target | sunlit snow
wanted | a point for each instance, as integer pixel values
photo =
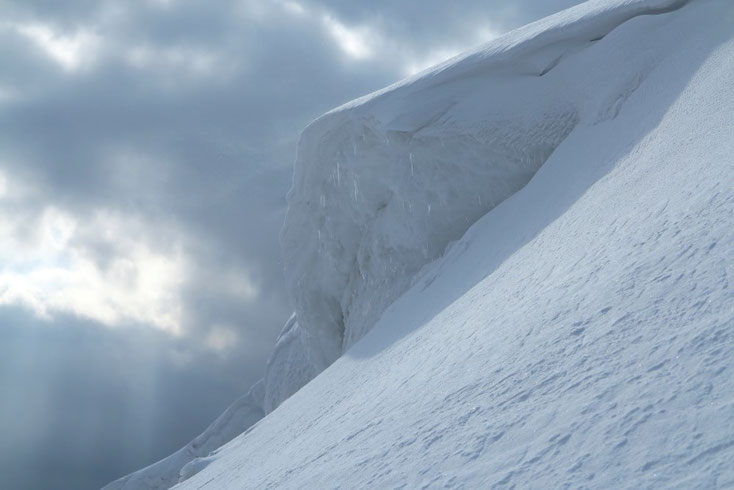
(511, 270)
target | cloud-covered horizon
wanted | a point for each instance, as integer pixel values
(146, 147)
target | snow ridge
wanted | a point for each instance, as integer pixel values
(385, 184)
(365, 213)
(580, 334)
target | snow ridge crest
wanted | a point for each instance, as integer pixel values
(385, 183)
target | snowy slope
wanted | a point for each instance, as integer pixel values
(383, 184)
(624, 105)
(579, 333)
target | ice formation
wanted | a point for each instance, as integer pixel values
(384, 184)
(514, 269)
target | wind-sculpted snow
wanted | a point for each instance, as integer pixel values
(383, 184)
(577, 171)
(579, 334)
(377, 198)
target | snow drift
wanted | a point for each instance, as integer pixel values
(540, 233)
(383, 184)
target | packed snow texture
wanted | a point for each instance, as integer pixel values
(384, 184)
(581, 332)
(540, 233)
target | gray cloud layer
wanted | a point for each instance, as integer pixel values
(82, 402)
(159, 128)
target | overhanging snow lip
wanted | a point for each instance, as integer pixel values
(577, 25)
(526, 39)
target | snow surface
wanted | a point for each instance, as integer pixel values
(384, 184)
(570, 327)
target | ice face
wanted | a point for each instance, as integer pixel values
(578, 334)
(484, 152)
(429, 156)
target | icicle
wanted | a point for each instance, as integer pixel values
(338, 177)
(412, 169)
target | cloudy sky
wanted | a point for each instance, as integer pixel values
(145, 151)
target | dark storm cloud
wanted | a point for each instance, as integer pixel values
(211, 152)
(83, 403)
(182, 115)
(207, 153)
(200, 137)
